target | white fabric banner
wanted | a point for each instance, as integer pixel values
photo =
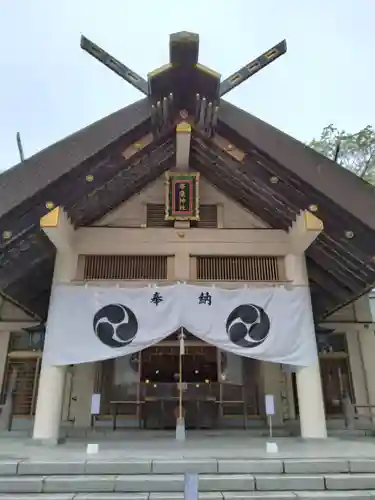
(88, 324)
(270, 323)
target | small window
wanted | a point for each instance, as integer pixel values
(125, 267)
(208, 217)
(238, 268)
(156, 216)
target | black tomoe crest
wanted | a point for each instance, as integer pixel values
(115, 325)
(248, 325)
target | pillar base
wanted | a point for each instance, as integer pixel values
(49, 403)
(180, 429)
(315, 439)
(47, 441)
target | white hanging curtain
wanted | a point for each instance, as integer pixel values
(87, 324)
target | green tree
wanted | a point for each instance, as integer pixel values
(356, 152)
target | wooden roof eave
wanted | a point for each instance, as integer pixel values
(68, 188)
(342, 264)
(25, 254)
(355, 195)
(27, 179)
(33, 284)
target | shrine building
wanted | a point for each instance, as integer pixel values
(182, 205)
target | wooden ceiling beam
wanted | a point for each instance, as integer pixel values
(253, 189)
(322, 301)
(346, 260)
(257, 177)
(234, 189)
(327, 282)
(123, 185)
(333, 267)
(231, 186)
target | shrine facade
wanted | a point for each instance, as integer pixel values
(130, 249)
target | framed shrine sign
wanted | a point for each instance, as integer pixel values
(182, 196)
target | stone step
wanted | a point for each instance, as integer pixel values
(225, 495)
(174, 483)
(204, 466)
(107, 433)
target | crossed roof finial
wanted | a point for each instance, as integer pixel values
(184, 48)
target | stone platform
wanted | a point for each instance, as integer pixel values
(151, 466)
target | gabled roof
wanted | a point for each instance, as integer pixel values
(341, 262)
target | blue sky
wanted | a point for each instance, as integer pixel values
(49, 88)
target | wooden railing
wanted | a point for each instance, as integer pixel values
(217, 390)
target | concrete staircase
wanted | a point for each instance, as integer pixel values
(22, 428)
(226, 479)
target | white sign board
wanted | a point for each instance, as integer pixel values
(269, 404)
(95, 404)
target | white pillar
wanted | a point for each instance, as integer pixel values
(49, 404)
(52, 378)
(310, 402)
(309, 385)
